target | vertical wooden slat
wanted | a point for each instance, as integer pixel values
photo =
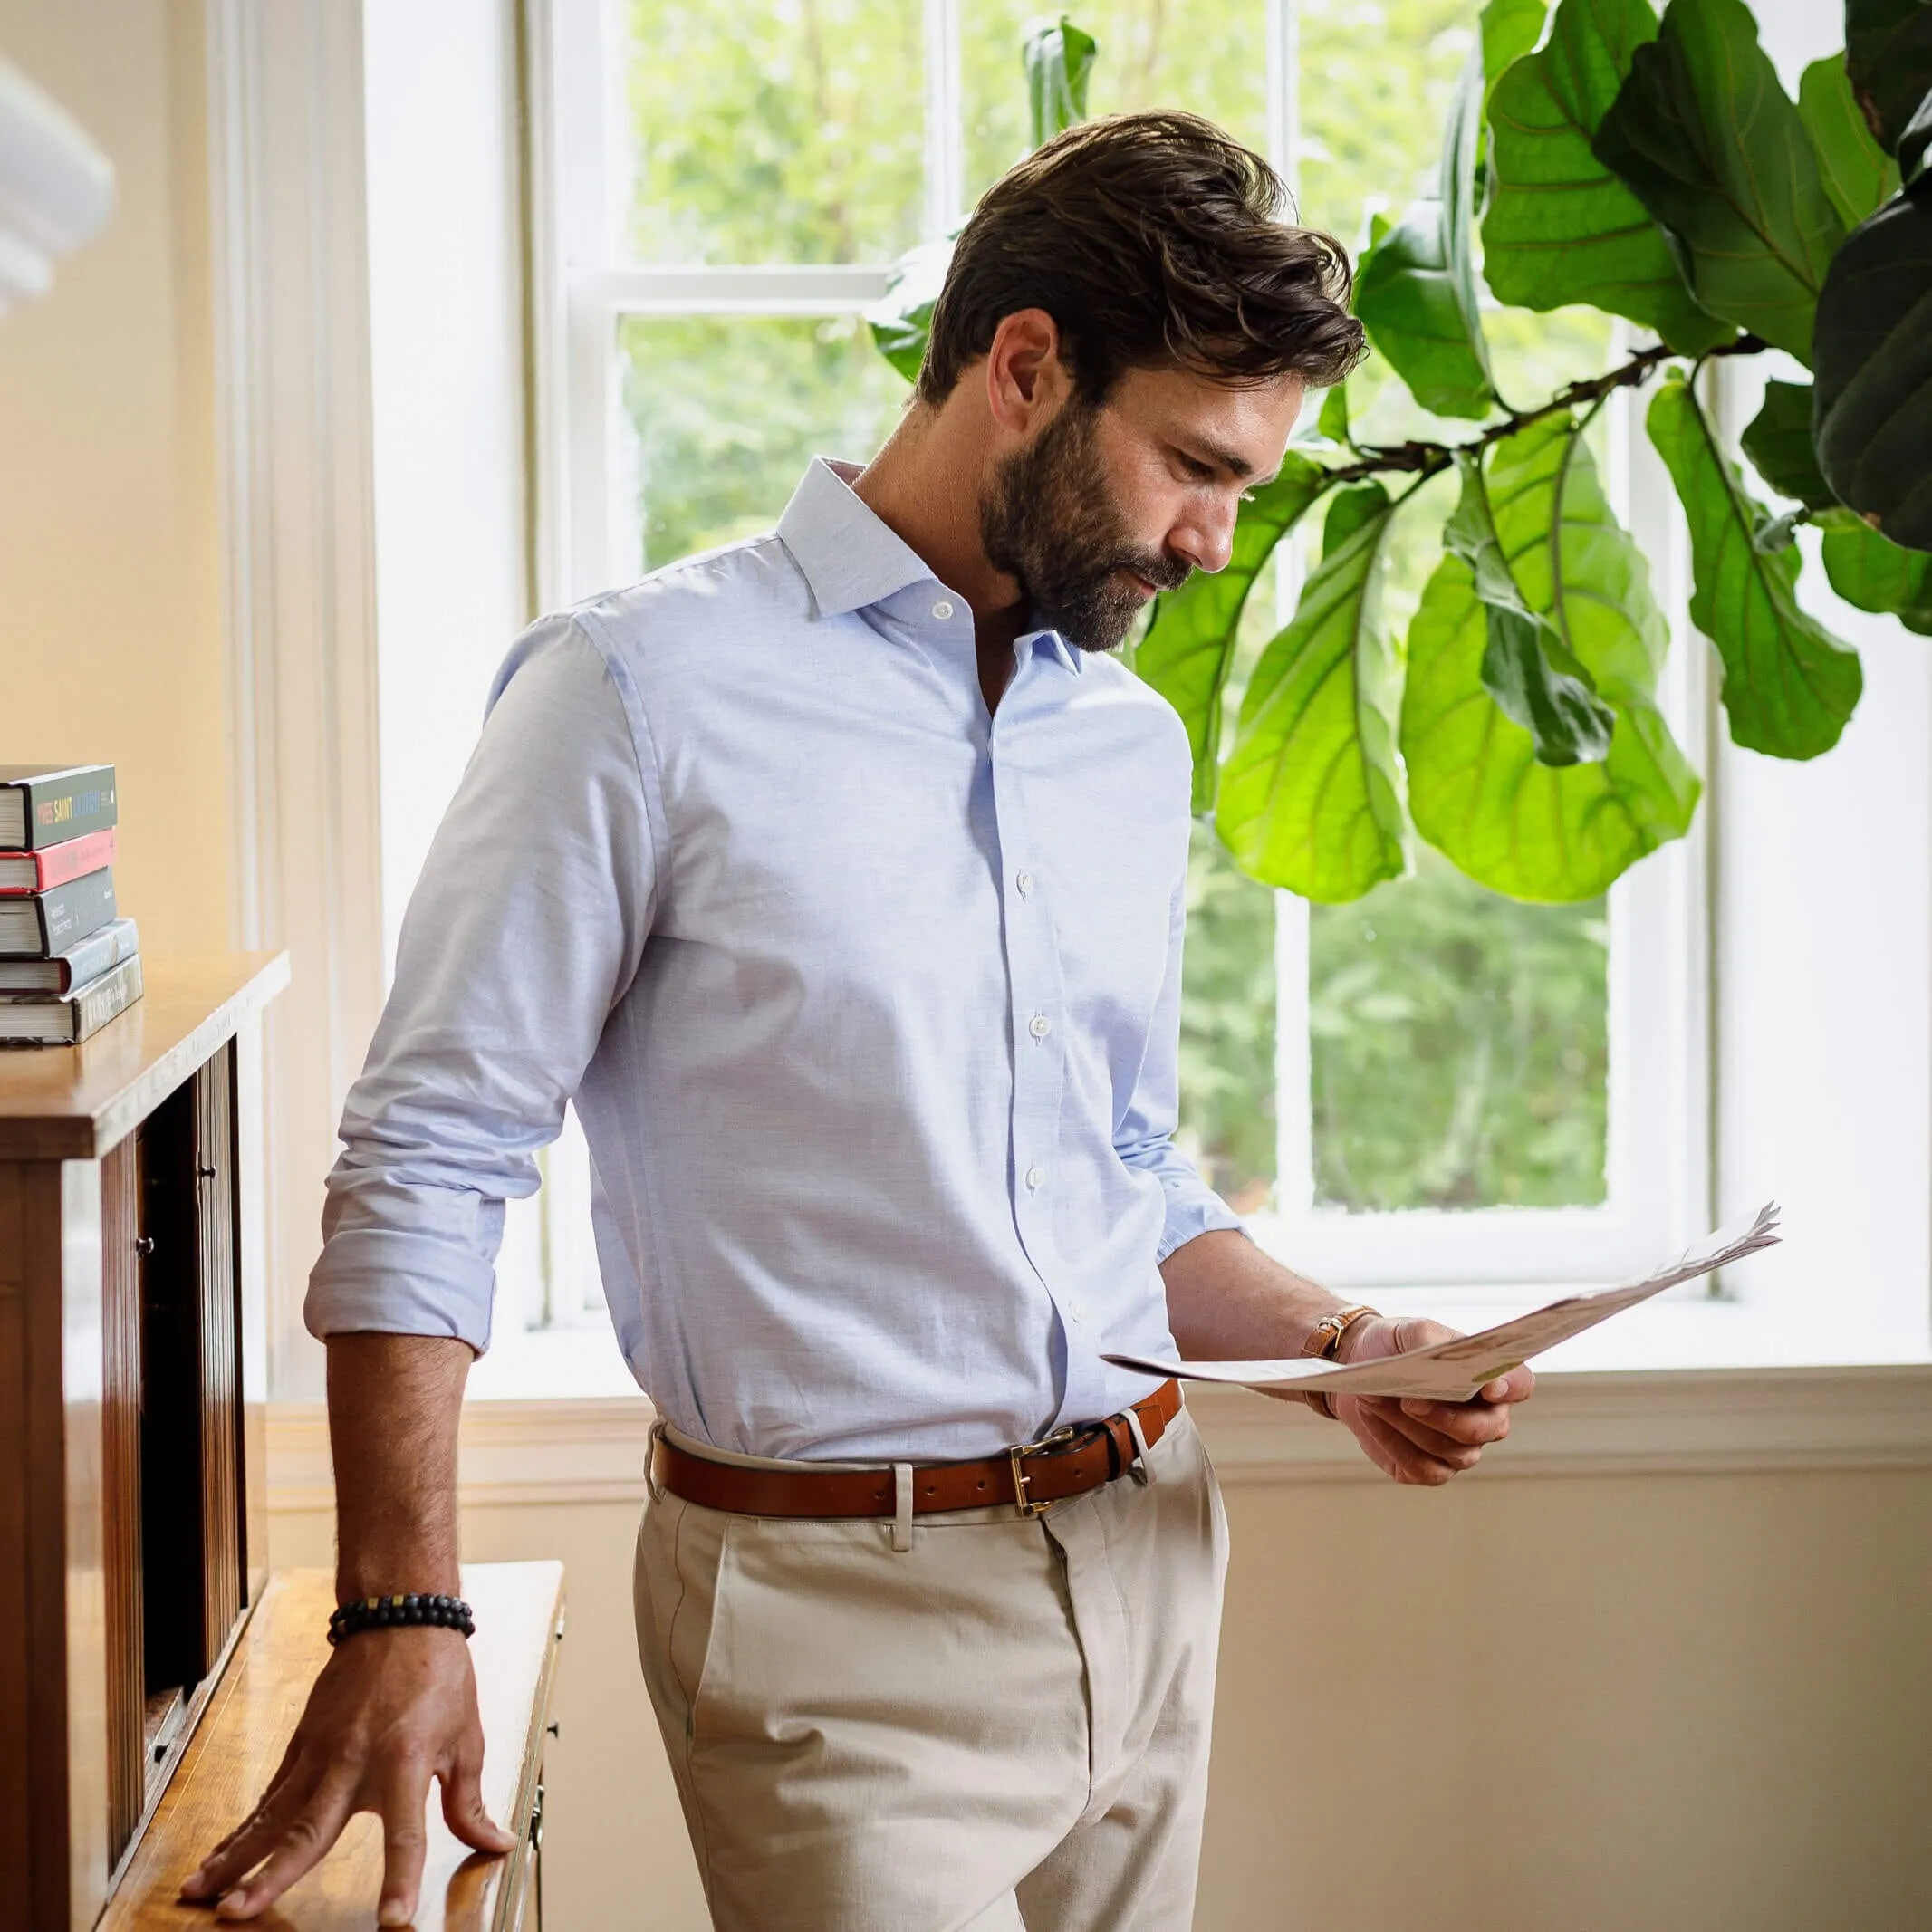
(246, 1119)
(16, 1655)
(221, 1433)
(121, 1446)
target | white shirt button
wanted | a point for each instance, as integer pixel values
(1076, 1312)
(1040, 1027)
(1022, 882)
(1035, 1178)
(942, 609)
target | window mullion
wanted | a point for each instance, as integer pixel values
(945, 191)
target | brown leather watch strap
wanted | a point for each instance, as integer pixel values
(1064, 1464)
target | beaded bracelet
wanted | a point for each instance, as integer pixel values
(381, 1613)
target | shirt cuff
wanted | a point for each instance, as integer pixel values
(389, 1281)
(1193, 1208)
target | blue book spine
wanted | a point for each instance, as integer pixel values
(98, 953)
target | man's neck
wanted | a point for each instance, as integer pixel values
(925, 486)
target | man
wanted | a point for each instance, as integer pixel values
(839, 877)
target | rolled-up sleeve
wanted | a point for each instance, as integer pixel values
(1143, 1137)
(525, 929)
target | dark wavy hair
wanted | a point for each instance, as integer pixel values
(1152, 239)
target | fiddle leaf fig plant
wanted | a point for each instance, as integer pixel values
(1652, 167)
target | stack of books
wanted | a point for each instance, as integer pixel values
(68, 962)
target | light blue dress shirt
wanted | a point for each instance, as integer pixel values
(868, 1002)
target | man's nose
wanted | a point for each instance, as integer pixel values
(1206, 538)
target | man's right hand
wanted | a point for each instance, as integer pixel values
(392, 1709)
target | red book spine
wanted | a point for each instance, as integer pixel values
(55, 865)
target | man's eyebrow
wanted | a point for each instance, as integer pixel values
(1236, 465)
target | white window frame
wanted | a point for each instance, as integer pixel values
(1658, 1193)
(1688, 1141)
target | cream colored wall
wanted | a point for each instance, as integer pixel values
(111, 642)
(1663, 1704)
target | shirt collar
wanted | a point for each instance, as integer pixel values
(852, 559)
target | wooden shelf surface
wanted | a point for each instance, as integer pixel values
(247, 1725)
(74, 1102)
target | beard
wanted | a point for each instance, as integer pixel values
(1048, 521)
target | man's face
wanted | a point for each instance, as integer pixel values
(1106, 506)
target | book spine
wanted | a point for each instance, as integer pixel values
(99, 953)
(70, 806)
(55, 865)
(71, 912)
(95, 1005)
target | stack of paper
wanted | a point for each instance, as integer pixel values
(1452, 1371)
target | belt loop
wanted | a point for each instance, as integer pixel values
(902, 1507)
(1143, 1469)
(657, 1489)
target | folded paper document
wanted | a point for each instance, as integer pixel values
(1452, 1371)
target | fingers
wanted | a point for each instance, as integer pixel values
(1463, 1423)
(1457, 1452)
(252, 1840)
(463, 1810)
(308, 1835)
(1393, 1453)
(404, 1795)
(1518, 1386)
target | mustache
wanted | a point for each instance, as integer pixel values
(1165, 573)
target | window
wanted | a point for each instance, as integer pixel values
(1434, 1088)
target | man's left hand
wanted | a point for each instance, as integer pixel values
(1415, 1441)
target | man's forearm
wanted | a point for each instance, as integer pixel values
(393, 1404)
(1229, 1301)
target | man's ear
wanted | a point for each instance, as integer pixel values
(1026, 381)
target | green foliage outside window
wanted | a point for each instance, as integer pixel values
(1597, 164)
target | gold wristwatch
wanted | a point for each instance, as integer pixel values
(1325, 1344)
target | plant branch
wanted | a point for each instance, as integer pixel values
(1424, 459)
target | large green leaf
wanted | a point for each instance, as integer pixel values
(1889, 61)
(1872, 410)
(1509, 29)
(1477, 791)
(1528, 667)
(1779, 443)
(1059, 61)
(901, 319)
(1560, 226)
(1858, 175)
(1789, 685)
(1415, 293)
(1190, 648)
(1311, 794)
(1709, 142)
(1872, 573)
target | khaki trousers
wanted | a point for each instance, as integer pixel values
(1006, 1725)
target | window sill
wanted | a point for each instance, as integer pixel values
(587, 1446)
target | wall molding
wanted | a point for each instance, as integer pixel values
(293, 390)
(589, 1450)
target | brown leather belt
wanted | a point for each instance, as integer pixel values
(1065, 1464)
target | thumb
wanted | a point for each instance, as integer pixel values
(463, 1810)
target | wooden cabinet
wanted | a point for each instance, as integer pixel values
(143, 1646)
(241, 1737)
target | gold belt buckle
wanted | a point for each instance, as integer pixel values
(1018, 1455)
